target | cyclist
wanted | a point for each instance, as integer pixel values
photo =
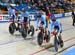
(24, 17)
(56, 24)
(41, 19)
(12, 16)
(11, 13)
(38, 17)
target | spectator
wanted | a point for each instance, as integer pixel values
(5, 1)
(73, 17)
(35, 1)
(17, 2)
(29, 2)
(68, 4)
(59, 4)
(41, 6)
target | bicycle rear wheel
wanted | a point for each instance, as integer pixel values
(24, 32)
(12, 28)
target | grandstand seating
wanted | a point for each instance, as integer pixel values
(30, 8)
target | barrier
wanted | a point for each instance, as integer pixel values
(58, 15)
(1, 17)
(4, 17)
(67, 14)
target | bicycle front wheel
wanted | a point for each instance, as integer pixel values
(56, 43)
(40, 39)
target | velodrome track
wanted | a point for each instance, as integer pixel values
(16, 45)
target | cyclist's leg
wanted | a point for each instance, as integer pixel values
(37, 24)
(60, 37)
(60, 40)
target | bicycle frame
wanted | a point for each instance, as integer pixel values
(55, 32)
(24, 24)
(41, 28)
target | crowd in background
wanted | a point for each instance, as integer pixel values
(46, 5)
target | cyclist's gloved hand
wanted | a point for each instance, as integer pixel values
(54, 33)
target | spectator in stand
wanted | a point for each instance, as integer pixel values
(17, 2)
(59, 4)
(4, 1)
(41, 6)
(35, 1)
(68, 4)
(52, 6)
(24, 1)
(29, 2)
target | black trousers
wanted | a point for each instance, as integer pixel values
(73, 21)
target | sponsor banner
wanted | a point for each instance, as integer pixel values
(67, 14)
(58, 15)
(1, 17)
(31, 16)
(4, 18)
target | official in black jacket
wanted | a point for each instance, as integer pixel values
(73, 17)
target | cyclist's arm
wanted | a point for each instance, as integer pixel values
(21, 18)
(60, 27)
(9, 13)
(51, 27)
(28, 18)
(44, 23)
(13, 13)
(43, 17)
(37, 22)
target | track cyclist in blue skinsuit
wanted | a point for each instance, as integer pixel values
(24, 16)
(12, 16)
(11, 13)
(41, 19)
(56, 24)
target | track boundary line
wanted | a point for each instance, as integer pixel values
(64, 49)
(50, 46)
